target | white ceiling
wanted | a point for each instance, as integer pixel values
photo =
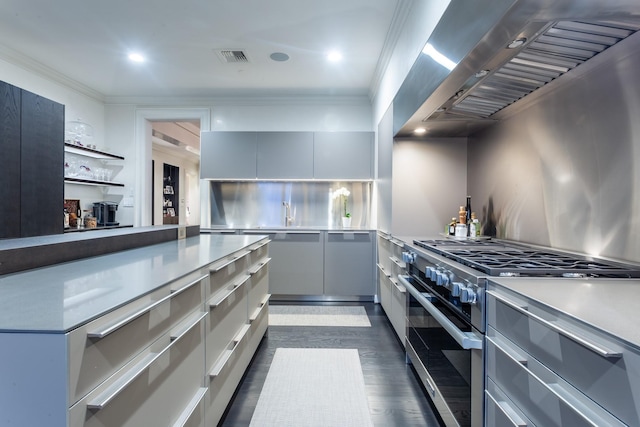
(88, 42)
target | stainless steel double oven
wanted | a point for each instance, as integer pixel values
(445, 336)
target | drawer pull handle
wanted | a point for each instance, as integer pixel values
(253, 249)
(185, 287)
(224, 359)
(596, 348)
(399, 263)
(382, 236)
(258, 310)
(467, 340)
(101, 333)
(230, 292)
(348, 232)
(101, 401)
(191, 407)
(508, 412)
(400, 289)
(384, 272)
(259, 266)
(430, 388)
(229, 262)
(397, 243)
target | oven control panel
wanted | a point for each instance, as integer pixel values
(466, 291)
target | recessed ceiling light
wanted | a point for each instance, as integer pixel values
(419, 131)
(136, 57)
(279, 56)
(517, 43)
(334, 56)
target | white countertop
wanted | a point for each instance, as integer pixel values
(59, 298)
(610, 305)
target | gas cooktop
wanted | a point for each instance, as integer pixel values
(496, 258)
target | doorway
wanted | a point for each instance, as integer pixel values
(146, 191)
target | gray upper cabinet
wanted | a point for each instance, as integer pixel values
(228, 155)
(343, 155)
(285, 155)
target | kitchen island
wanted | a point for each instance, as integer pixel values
(155, 335)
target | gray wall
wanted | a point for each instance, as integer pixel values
(564, 171)
(429, 185)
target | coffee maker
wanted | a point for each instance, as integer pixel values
(105, 213)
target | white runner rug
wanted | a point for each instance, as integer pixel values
(318, 315)
(317, 387)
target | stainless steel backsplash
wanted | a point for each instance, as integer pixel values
(260, 204)
(564, 172)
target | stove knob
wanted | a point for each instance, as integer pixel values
(431, 273)
(468, 295)
(442, 278)
(456, 288)
(427, 272)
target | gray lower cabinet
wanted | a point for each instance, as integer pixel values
(285, 155)
(228, 155)
(392, 293)
(349, 263)
(296, 266)
(546, 368)
(343, 155)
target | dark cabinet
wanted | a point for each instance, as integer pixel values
(32, 132)
(10, 160)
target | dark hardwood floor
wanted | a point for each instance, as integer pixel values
(395, 395)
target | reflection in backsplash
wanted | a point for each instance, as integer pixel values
(311, 204)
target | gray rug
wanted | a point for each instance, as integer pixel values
(317, 387)
(318, 315)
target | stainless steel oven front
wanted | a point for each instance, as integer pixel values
(446, 352)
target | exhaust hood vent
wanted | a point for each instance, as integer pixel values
(561, 47)
(232, 56)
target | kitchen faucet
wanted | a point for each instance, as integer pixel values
(288, 219)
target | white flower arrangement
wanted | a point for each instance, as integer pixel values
(343, 193)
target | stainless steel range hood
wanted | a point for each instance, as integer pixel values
(468, 75)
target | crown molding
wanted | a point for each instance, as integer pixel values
(28, 64)
(400, 15)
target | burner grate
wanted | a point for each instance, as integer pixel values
(498, 259)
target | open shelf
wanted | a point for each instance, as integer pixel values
(90, 152)
(83, 181)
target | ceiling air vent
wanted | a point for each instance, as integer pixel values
(232, 56)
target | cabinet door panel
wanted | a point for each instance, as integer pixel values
(10, 160)
(228, 155)
(343, 155)
(296, 266)
(285, 155)
(41, 166)
(349, 264)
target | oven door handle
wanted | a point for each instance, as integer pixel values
(467, 340)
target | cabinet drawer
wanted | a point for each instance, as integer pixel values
(259, 322)
(258, 285)
(384, 251)
(225, 376)
(599, 367)
(399, 309)
(227, 270)
(152, 389)
(538, 392)
(98, 349)
(227, 315)
(258, 252)
(385, 291)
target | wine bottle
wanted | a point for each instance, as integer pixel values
(468, 219)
